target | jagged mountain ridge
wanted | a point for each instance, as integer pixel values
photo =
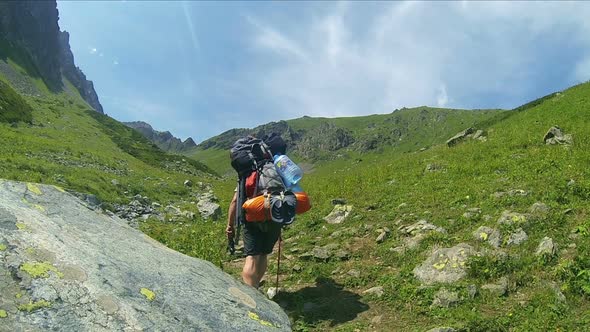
(31, 29)
(163, 139)
(316, 139)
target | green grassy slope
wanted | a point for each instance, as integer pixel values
(320, 139)
(13, 108)
(57, 139)
(393, 190)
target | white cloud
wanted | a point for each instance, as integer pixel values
(274, 40)
(189, 22)
(442, 99)
(115, 62)
(330, 66)
(93, 50)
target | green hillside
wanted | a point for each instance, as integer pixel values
(57, 139)
(511, 171)
(324, 139)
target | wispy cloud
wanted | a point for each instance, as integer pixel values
(189, 22)
(414, 53)
(442, 99)
(274, 40)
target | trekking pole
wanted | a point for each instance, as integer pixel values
(279, 262)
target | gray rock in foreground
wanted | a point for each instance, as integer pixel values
(445, 265)
(65, 267)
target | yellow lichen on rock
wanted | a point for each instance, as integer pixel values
(39, 270)
(148, 294)
(3, 314)
(34, 189)
(255, 317)
(20, 226)
(59, 189)
(32, 306)
(2, 247)
(439, 266)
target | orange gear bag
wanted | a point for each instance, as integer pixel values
(257, 208)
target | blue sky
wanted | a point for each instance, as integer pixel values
(200, 68)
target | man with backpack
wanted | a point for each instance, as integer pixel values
(252, 159)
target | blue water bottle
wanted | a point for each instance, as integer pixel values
(288, 170)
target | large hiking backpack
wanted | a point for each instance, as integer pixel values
(247, 154)
(252, 159)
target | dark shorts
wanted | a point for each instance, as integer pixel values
(260, 238)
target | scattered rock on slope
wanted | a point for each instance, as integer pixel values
(415, 233)
(512, 218)
(445, 265)
(208, 207)
(546, 248)
(517, 237)
(338, 214)
(489, 235)
(499, 288)
(66, 267)
(459, 137)
(555, 136)
(445, 299)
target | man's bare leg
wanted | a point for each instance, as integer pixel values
(254, 269)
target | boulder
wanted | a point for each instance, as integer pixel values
(415, 233)
(539, 209)
(459, 137)
(546, 248)
(509, 218)
(69, 268)
(500, 288)
(445, 299)
(489, 235)
(516, 238)
(555, 136)
(321, 254)
(338, 214)
(480, 135)
(383, 233)
(445, 265)
(208, 207)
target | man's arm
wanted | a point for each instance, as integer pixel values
(231, 216)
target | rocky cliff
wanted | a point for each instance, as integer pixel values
(75, 75)
(30, 29)
(66, 267)
(163, 139)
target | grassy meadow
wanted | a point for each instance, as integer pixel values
(57, 139)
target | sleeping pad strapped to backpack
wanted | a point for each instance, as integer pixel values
(252, 159)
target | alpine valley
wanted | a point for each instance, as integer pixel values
(422, 219)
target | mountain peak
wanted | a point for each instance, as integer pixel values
(163, 139)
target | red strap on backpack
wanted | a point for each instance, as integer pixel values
(251, 184)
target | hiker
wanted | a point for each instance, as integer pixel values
(259, 237)
(266, 200)
(259, 241)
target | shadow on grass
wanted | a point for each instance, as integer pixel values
(327, 301)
